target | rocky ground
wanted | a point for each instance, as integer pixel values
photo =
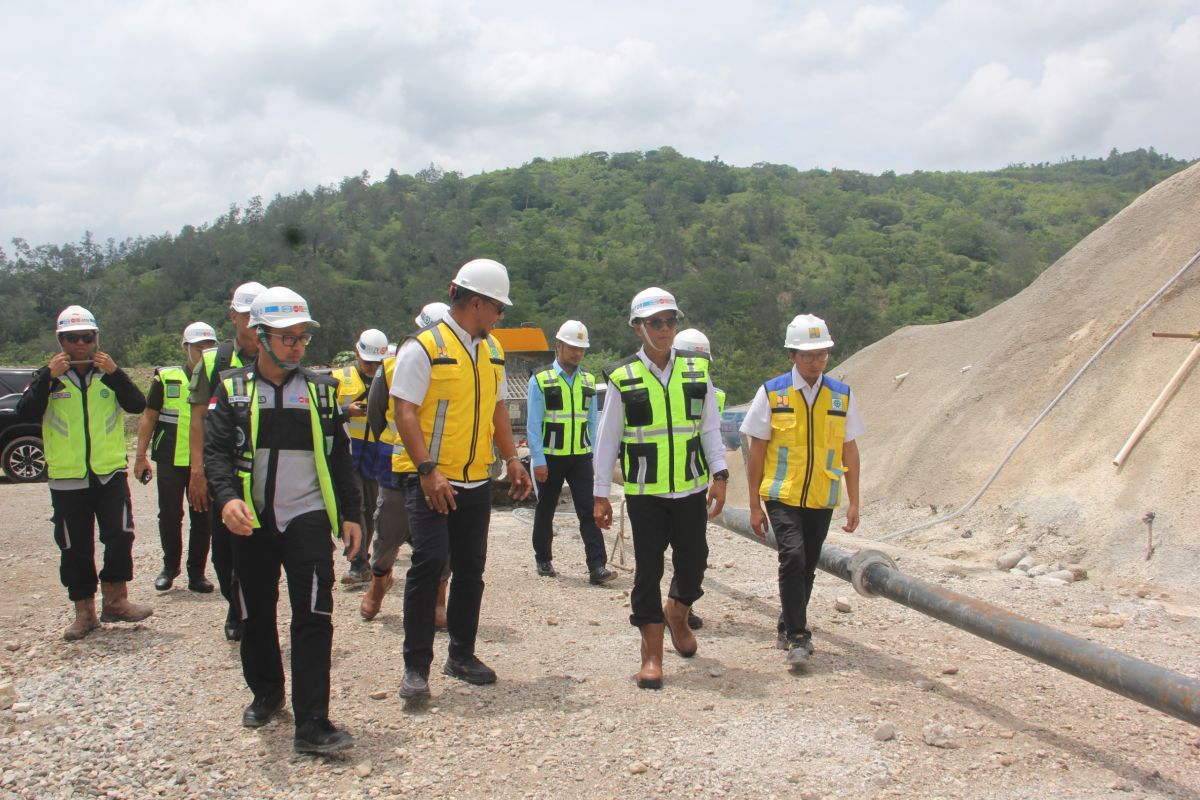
(895, 704)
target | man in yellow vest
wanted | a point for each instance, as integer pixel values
(354, 382)
(278, 461)
(802, 427)
(561, 417)
(448, 392)
(235, 353)
(79, 397)
(166, 423)
(660, 418)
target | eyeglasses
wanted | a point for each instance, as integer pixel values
(76, 338)
(291, 339)
(813, 356)
(498, 306)
(659, 323)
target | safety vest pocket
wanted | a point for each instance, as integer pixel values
(555, 433)
(835, 431)
(694, 394)
(638, 412)
(695, 465)
(783, 419)
(641, 463)
(588, 393)
(834, 477)
(554, 398)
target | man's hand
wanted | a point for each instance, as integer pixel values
(851, 518)
(602, 512)
(141, 465)
(352, 536)
(439, 494)
(236, 516)
(198, 489)
(356, 409)
(521, 485)
(103, 361)
(59, 365)
(758, 519)
(716, 498)
(541, 474)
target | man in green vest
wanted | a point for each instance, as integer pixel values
(561, 418)
(79, 397)
(240, 351)
(660, 418)
(277, 459)
(164, 433)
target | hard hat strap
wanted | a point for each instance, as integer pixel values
(286, 366)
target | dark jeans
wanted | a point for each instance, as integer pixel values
(305, 552)
(577, 471)
(370, 494)
(800, 533)
(222, 561)
(172, 482)
(659, 522)
(77, 513)
(460, 539)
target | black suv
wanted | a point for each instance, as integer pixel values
(21, 453)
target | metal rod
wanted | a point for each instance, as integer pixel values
(873, 574)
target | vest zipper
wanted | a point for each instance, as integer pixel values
(85, 384)
(808, 465)
(670, 427)
(475, 428)
(569, 433)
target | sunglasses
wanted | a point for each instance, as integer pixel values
(291, 339)
(659, 324)
(76, 338)
(498, 306)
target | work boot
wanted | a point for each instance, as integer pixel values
(469, 669)
(798, 656)
(372, 600)
(600, 576)
(545, 569)
(259, 712)
(682, 638)
(85, 620)
(650, 675)
(165, 579)
(117, 607)
(198, 583)
(234, 627)
(439, 611)
(354, 575)
(415, 684)
(320, 736)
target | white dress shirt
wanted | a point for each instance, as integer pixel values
(758, 417)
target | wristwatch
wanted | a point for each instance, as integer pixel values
(721, 475)
(426, 467)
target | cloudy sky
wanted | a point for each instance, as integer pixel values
(129, 117)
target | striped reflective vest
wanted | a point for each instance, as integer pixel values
(804, 455)
(565, 422)
(661, 449)
(170, 443)
(720, 400)
(82, 429)
(456, 414)
(351, 388)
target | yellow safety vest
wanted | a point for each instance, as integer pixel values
(350, 389)
(661, 448)
(565, 423)
(804, 455)
(170, 442)
(456, 414)
(82, 430)
(390, 435)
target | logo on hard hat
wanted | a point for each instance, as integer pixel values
(580, 335)
(814, 333)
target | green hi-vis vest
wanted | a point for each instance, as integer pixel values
(219, 359)
(170, 443)
(803, 465)
(82, 430)
(322, 401)
(351, 388)
(565, 424)
(661, 450)
(720, 400)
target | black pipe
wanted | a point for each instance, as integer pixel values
(873, 574)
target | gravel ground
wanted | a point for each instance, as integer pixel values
(153, 710)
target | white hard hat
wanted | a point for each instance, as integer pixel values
(372, 345)
(807, 332)
(486, 277)
(199, 332)
(243, 296)
(431, 313)
(280, 307)
(694, 340)
(391, 349)
(649, 302)
(76, 318)
(574, 333)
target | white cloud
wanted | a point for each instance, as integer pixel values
(819, 44)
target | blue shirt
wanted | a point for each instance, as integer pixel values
(535, 413)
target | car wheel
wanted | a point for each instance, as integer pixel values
(23, 460)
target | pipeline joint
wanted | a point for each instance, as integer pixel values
(858, 566)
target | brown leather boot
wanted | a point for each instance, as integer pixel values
(373, 599)
(682, 638)
(439, 613)
(650, 676)
(117, 606)
(85, 620)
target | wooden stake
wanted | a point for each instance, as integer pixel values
(1163, 397)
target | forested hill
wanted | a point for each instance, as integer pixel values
(743, 249)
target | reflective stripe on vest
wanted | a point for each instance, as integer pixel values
(82, 430)
(210, 363)
(803, 465)
(565, 423)
(351, 388)
(174, 418)
(661, 449)
(456, 414)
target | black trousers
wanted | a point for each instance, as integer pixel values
(800, 533)
(222, 561)
(459, 539)
(77, 513)
(172, 482)
(305, 552)
(577, 472)
(370, 494)
(659, 522)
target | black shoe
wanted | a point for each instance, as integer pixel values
(199, 583)
(165, 580)
(354, 575)
(259, 712)
(321, 736)
(784, 643)
(694, 622)
(415, 684)
(234, 628)
(545, 569)
(798, 656)
(600, 576)
(469, 669)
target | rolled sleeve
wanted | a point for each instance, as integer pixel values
(535, 411)
(410, 380)
(758, 417)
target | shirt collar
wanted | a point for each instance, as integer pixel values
(461, 332)
(801, 384)
(661, 373)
